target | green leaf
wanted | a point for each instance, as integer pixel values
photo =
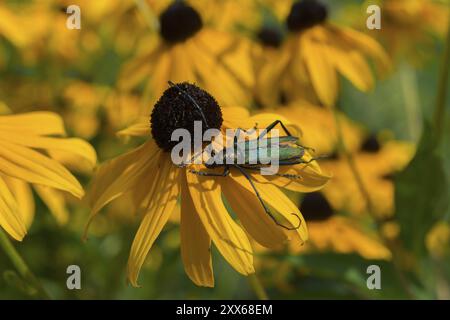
(421, 193)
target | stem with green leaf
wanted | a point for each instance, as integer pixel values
(21, 266)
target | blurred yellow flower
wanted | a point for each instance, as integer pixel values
(155, 184)
(328, 231)
(314, 54)
(377, 164)
(30, 144)
(318, 127)
(408, 24)
(438, 240)
(186, 49)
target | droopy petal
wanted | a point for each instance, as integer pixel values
(195, 242)
(37, 123)
(55, 202)
(252, 215)
(321, 70)
(120, 174)
(277, 200)
(24, 198)
(228, 237)
(32, 166)
(158, 213)
(10, 219)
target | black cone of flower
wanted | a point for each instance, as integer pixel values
(176, 109)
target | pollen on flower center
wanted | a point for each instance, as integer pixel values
(371, 145)
(306, 14)
(175, 109)
(315, 207)
(179, 22)
(270, 37)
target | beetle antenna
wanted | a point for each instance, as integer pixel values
(187, 95)
(266, 209)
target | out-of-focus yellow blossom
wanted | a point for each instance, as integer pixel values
(28, 143)
(84, 101)
(331, 232)
(186, 49)
(318, 127)
(438, 240)
(155, 183)
(409, 24)
(377, 163)
(314, 53)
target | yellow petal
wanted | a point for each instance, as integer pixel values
(77, 147)
(277, 200)
(252, 215)
(32, 166)
(36, 123)
(10, 219)
(159, 211)
(139, 129)
(119, 175)
(55, 201)
(195, 243)
(228, 237)
(24, 198)
(181, 70)
(353, 66)
(321, 70)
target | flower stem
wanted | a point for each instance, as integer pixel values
(369, 205)
(21, 266)
(439, 112)
(257, 287)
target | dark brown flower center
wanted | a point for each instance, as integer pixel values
(371, 145)
(270, 37)
(176, 109)
(179, 22)
(306, 14)
(315, 207)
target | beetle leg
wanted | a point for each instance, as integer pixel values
(226, 172)
(266, 209)
(272, 125)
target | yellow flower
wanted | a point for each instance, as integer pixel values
(30, 145)
(315, 52)
(318, 127)
(408, 24)
(328, 231)
(148, 175)
(186, 49)
(438, 239)
(377, 164)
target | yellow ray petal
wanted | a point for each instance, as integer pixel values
(55, 201)
(118, 175)
(24, 198)
(138, 69)
(353, 66)
(32, 166)
(228, 237)
(139, 129)
(277, 200)
(181, 65)
(73, 146)
(252, 215)
(37, 123)
(195, 242)
(321, 70)
(10, 219)
(159, 211)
